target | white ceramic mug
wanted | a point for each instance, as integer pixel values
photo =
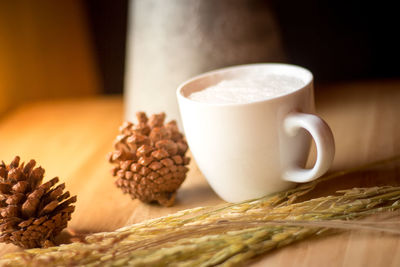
(249, 150)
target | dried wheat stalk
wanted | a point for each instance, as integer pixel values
(222, 236)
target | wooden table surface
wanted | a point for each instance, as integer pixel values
(71, 138)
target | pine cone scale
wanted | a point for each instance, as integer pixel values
(20, 187)
(63, 196)
(26, 223)
(49, 208)
(5, 188)
(29, 166)
(56, 192)
(28, 209)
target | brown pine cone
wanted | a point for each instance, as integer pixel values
(149, 159)
(31, 213)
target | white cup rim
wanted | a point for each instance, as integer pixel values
(305, 74)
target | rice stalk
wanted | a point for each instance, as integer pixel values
(228, 235)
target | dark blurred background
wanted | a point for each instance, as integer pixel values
(52, 49)
(108, 23)
(336, 40)
(341, 40)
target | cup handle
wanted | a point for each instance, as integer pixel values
(323, 137)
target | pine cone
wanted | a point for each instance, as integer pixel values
(150, 159)
(31, 213)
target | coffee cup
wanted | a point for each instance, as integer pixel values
(245, 148)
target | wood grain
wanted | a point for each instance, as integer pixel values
(70, 139)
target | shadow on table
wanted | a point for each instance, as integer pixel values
(199, 195)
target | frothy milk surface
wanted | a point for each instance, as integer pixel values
(247, 89)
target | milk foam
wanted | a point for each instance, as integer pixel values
(247, 89)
